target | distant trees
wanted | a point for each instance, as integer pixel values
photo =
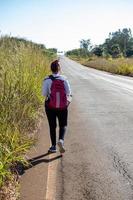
(54, 50)
(97, 50)
(77, 52)
(118, 43)
(83, 51)
(85, 44)
(115, 51)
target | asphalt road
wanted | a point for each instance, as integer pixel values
(98, 163)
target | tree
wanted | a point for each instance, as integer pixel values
(115, 51)
(129, 49)
(54, 50)
(74, 52)
(85, 44)
(121, 38)
(98, 50)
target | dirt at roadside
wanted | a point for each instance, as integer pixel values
(34, 180)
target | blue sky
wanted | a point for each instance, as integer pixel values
(62, 24)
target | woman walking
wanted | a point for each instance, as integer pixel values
(57, 91)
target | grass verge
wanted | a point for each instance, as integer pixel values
(23, 66)
(122, 66)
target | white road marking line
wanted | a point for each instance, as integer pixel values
(121, 85)
(51, 179)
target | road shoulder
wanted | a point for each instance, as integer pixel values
(33, 182)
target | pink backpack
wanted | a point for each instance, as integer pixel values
(58, 98)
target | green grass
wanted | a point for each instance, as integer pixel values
(23, 65)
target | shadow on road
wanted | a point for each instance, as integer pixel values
(35, 161)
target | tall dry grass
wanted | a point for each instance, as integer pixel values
(123, 66)
(23, 66)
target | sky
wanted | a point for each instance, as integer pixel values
(62, 24)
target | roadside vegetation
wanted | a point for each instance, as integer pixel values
(115, 55)
(23, 65)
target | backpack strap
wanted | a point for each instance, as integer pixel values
(52, 77)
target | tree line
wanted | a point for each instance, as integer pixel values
(118, 44)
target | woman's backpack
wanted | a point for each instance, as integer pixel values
(58, 98)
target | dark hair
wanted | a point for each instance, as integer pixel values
(55, 66)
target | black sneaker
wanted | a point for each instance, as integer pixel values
(52, 149)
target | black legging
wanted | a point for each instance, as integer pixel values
(62, 118)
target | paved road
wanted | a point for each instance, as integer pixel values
(98, 163)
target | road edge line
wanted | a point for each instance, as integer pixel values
(51, 179)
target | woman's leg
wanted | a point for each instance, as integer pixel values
(62, 117)
(62, 131)
(51, 115)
